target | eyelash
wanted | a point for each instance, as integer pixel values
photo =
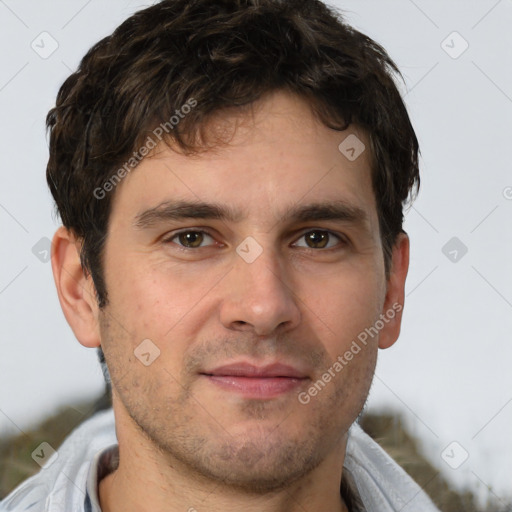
(169, 239)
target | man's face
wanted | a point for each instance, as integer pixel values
(268, 287)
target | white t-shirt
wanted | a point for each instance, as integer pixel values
(372, 481)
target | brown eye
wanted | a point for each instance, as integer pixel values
(191, 239)
(319, 239)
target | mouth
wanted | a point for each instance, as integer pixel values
(258, 382)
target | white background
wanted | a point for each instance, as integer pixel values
(449, 373)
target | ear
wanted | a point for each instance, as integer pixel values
(395, 294)
(75, 290)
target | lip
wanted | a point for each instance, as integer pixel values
(259, 382)
(250, 370)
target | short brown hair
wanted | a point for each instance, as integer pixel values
(222, 54)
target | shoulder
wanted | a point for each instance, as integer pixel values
(62, 481)
(381, 483)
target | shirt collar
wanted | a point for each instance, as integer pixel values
(105, 462)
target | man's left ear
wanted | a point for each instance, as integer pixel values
(395, 295)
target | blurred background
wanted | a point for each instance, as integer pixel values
(446, 383)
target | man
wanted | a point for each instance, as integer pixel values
(230, 177)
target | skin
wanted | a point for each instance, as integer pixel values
(184, 442)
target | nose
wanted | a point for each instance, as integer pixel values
(259, 296)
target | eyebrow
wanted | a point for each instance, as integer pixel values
(180, 210)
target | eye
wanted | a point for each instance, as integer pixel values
(319, 239)
(190, 239)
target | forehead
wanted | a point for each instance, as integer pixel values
(278, 156)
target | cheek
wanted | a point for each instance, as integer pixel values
(342, 306)
(146, 290)
(161, 301)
